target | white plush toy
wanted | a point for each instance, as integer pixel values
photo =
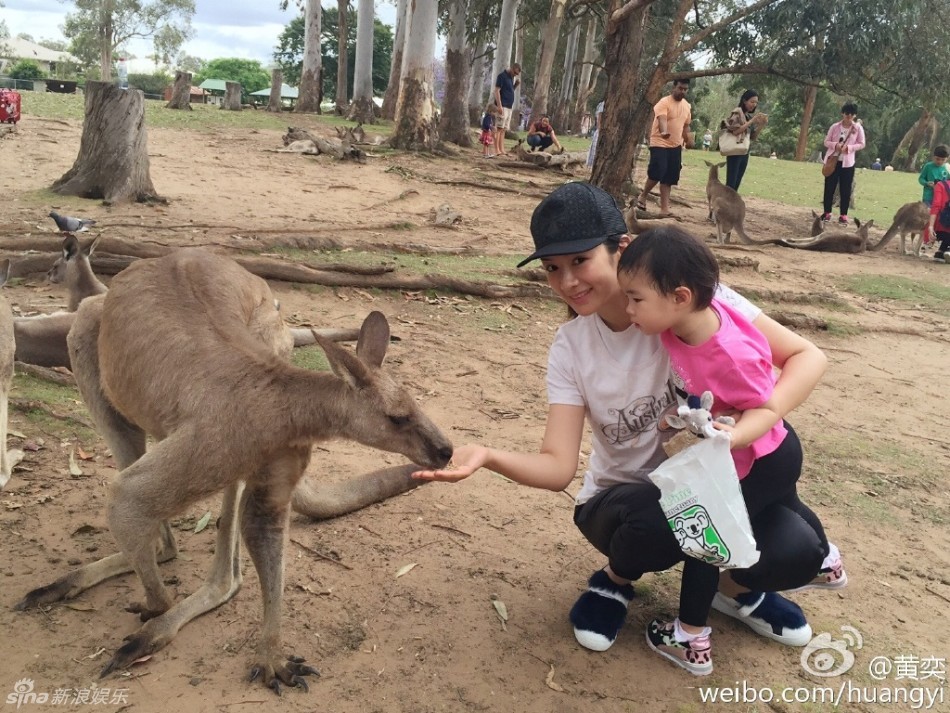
(696, 421)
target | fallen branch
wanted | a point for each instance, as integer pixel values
(796, 320)
(738, 262)
(45, 373)
(26, 406)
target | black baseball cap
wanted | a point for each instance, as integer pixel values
(574, 218)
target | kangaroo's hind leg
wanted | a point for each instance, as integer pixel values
(125, 440)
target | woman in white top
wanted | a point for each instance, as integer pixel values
(603, 369)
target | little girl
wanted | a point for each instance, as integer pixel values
(487, 138)
(670, 279)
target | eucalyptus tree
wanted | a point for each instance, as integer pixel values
(309, 92)
(391, 97)
(97, 28)
(342, 68)
(505, 37)
(415, 111)
(362, 108)
(550, 35)
(454, 125)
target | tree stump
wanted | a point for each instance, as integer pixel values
(181, 92)
(113, 153)
(275, 103)
(232, 96)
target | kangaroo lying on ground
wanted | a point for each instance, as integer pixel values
(190, 349)
(8, 459)
(726, 207)
(910, 220)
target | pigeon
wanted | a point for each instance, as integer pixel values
(69, 224)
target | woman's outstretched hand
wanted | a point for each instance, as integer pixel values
(465, 461)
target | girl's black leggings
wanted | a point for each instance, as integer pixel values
(626, 524)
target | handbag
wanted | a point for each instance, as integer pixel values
(703, 504)
(831, 163)
(732, 145)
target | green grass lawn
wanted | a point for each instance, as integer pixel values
(879, 193)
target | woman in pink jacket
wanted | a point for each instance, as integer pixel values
(845, 138)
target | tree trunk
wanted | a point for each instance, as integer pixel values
(232, 96)
(476, 93)
(905, 154)
(808, 110)
(506, 34)
(275, 102)
(547, 52)
(113, 153)
(415, 113)
(105, 42)
(391, 97)
(588, 76)
(362, 109)
(561, 112)
(342, 64)
(309, 91)
(455, 123)
(181, 92)
(619, 135)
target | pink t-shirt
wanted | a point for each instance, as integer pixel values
(735, 364)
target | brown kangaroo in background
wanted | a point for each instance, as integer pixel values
(726, 207)
(73, 270)
(910, 220)
(190, 349)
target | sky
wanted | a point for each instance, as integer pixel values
(222, 28)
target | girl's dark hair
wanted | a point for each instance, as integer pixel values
(612, 243)
(746, 96)
(850, 108)
(673, 258)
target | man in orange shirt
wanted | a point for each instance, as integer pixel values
(670, 132)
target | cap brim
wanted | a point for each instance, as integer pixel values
(566, 248)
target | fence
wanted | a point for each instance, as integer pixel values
(60, 86)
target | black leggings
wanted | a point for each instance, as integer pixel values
(842, 178)
(626, 524)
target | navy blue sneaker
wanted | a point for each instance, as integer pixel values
(768, 614)
(599, 613)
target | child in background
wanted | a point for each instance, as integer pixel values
(933, 172)
(670, 279)
(487, 137)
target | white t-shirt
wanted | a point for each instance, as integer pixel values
(623, 380)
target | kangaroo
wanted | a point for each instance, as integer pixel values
(910, 219)
(190, 349)
(726, 207)
(8, 459)
(73, 269)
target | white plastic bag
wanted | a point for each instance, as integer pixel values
(702, 501)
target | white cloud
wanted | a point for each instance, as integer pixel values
(235, 28)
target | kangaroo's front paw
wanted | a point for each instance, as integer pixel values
(290, 673)
(143, 611)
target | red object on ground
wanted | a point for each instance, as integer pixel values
(9, 106)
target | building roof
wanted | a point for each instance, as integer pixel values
(286, 92)
(24, 49)
(215, 85)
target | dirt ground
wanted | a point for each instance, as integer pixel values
(431, 639)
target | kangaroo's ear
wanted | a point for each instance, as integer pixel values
(91, 248)
(344, 363)
(706, 400)
(374, 339)
(70, 247)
